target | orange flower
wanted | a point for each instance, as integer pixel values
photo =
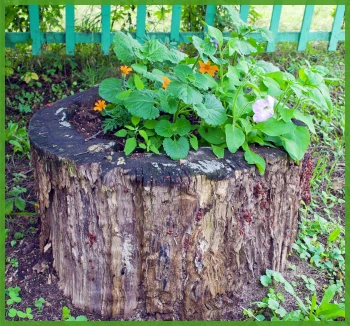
(100, 105)
(125, 70)
(206, 67)
(167, 81)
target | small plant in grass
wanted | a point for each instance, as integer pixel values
(309, 310)
(14, 200)
(223, 98)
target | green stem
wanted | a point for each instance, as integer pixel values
(177, 111)
(236, 96)
(221, 69)
(195, 62)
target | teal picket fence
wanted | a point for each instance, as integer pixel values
(105, 37)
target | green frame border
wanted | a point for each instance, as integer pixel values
(166, 2)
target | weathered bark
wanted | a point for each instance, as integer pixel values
(176, 239)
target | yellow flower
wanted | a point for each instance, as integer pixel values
(167, 81)
(125, 70)
(206, 67)
(100, 105)
(36, 206)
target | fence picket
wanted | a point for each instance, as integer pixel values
(70, 33)
(210, 16)
(243, 12)
(35, 29)
(70, 37)
(175, 23)
(106, 28)
(141, 23)
(336, 28)
(275, 21)
(305, 27)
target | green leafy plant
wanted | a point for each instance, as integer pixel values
(66, 316)
(310, 310)
(13, 297)
(14, 200)
(17, 137)
(39, 304)
(222, 98)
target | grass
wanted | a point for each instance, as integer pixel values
(321, 238)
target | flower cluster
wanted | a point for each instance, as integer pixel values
(223, 98)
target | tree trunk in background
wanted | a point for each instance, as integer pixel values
(173, 239)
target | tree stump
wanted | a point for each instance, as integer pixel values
(178, 239)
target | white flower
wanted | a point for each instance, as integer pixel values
(263, 109)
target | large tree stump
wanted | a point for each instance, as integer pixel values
(177, 239)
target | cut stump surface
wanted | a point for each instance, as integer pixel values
(175, 239)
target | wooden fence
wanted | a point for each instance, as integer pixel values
(105, 37)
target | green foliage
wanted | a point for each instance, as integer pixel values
(66, 316)
(17, 18)
(221, 89)
(17, 137)
(13, 297)
(308, 310)
(14, 200)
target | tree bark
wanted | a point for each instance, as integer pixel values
(178, 240)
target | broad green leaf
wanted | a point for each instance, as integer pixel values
(141, 104)
(216, 34)
(234, 137)
(204, 48)
(286, 113)
(154, 51)
(273, 88)
(219, 151)
(184, 92)
(273, 127)
(334, 235)
(81, 318)
(123, 95)
(163, 128)
(194, 142)
(244, 47)
(281, 311)
(175, 56)
(182, 127)
(109, 89)
(265, 280)
(296, 142)
(176, 149)
(183, 72)
(295, 315)
(21, 314)
(211, 111)
(233, 75)
(212, 135)
(266, 34)
(267, 66)
(168, 103)
(253, 158)
(124, 47)
(272, 304)
(144, 135)
(9, 206)
(200, 81)
(150, 124)
(306, 119)
(138, 83)
(289, 288)
(20, 203)
(130, 146)
(155, 75)
(12, 312)
(310, 77)
(135, 120)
